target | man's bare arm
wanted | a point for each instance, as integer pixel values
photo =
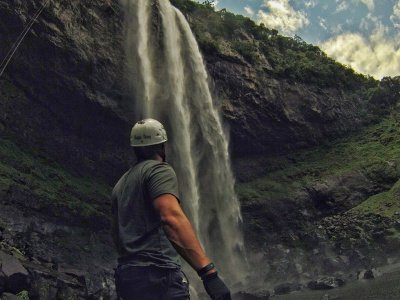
(181, 234)
(179, 231)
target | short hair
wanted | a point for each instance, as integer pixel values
(148, 152)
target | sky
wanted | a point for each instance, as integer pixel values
(364, 34)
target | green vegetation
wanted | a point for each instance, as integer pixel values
(226, 34)
(375, 152)
(17, 253)
(386, 204)
(24, 295)
(49, 186)
(383, 97)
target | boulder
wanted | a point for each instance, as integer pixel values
(2, 282)
(331, 264)
(378, 234)
(16, 276)
(397, 224)
(8, 296)
(79, 275)
(369, 274)
(325, 283)
(249, 296)
(286, 288)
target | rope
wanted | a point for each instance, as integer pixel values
(20, 38)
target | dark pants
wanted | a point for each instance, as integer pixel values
(151, 283)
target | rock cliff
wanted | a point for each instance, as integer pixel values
(68, 83)
(273, 115)
(69, 71)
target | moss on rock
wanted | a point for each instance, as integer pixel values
(386, 203)
(46, 186)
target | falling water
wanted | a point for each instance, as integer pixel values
(170, 84)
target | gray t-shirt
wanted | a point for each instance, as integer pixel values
(141, 240)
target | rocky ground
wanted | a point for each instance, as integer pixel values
(47, 258)
(382, 287)
(337, 251)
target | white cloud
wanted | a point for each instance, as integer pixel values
(376, 55)
(322, 23)
(346, 4)
(310, 3)
(249, 11)
(342, 6)
(368, 22)
(395, 17)
(213, 3)
(369, 3)
(337, 29)
(282, 16)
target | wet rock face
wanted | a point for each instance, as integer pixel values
(267, 114)
(68, 77)
(340, 193)
(73, 54)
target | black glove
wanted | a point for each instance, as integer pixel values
(215, 287)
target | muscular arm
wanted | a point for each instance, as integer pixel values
(179, 231)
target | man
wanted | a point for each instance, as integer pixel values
(150, 228)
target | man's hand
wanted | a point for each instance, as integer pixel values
(215, 287)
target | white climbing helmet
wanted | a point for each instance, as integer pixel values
(148, 132)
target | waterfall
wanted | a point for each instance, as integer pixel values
(170, 84)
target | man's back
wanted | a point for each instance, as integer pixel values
(140, 238)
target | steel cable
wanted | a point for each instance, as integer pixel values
(20, 38)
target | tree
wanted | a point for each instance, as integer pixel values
(210, 4)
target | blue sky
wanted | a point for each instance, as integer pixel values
(364, 34)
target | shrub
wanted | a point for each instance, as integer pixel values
(247, 49)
